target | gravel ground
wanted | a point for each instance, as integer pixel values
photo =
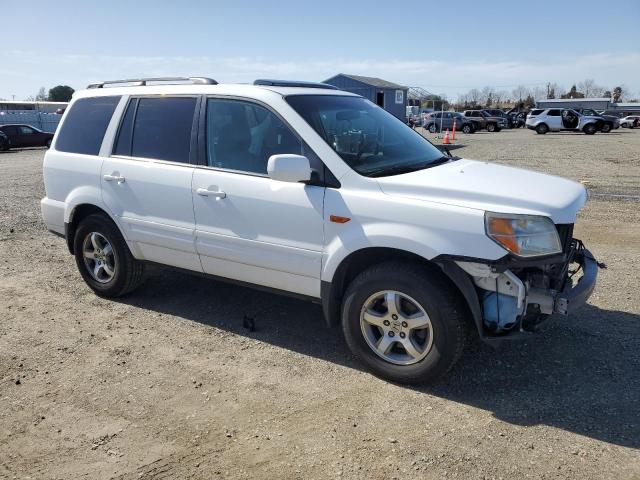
(167, 384)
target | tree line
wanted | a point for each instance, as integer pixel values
(490, 97)
(59, 93)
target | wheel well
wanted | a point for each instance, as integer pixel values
(79, 213)
(358, 261)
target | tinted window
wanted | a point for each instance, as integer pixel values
(535, 112)
(26, 130)
(85, 124)
(370, 140)
(554, 113)
(243, 135)
(162, 128)
(123, 143)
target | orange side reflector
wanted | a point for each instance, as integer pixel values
(337, 219)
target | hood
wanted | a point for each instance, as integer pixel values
(492, 187)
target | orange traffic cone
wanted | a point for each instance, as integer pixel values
(453, 132)
(446, 140)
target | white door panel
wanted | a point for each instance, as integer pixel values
(272, 231)
(154, 204)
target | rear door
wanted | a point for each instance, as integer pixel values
(12, 132)
(146, 182)
(249, 227)
(554, 119)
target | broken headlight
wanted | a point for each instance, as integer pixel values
(523, 235)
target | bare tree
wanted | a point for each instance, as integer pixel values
(42, 96)
(586, 87)
(474, 96)
(520, 92)
(539, 93)
(499, 96)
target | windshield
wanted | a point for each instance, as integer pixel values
(370, 140)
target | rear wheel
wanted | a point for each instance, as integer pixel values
(103, 258)
(542, 129)
(606, 128)
(403, 322)
(491, 127)
(466, 128)
(433, 128)
(589, 129)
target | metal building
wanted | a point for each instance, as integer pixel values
(390, 96)
(595, 103)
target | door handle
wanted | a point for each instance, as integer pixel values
(111, 178)
(205, 192)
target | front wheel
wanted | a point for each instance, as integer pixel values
(403, 322)
(542, 129)
(491, 127)
(103, 258)
(606, 128)
(467, 129)
(433, 128)
(589, 129)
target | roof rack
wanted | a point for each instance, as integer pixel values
(140, 82)
(292, 83)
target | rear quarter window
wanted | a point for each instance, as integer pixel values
(85, 125)
(535, 112)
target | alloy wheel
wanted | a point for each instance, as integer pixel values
(99, 257)
(396, 327)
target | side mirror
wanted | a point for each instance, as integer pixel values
(289, 168)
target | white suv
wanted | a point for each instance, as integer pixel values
(318, 193)
(563, 119)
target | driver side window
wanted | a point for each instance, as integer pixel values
(243, 135)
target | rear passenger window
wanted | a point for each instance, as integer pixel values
(554, 113)
(85, 125)
(535, 112)
(162, 128)
(243, 135)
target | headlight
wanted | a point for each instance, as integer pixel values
(523, 235)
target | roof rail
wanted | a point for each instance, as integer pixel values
(140, 82)
(292, 83)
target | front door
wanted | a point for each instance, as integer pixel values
(248, 227)
(570, 119)
(146, 183)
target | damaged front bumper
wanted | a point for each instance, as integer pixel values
(514, 296)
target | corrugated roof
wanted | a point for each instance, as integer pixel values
(373, 81)
(561, 100)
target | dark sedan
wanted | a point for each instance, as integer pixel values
(4, 142)
(21, 136)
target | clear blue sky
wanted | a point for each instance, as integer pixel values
(446, 47)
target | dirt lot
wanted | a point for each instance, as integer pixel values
(167, 384)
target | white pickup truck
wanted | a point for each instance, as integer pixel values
(314, 192)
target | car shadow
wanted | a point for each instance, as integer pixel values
(580, 373)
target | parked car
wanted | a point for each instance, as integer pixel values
(26, 136)
(4, 142)
(562, 119)
(439, 121)
(630, 121)
(486, 121)
(610, 122)
(318, 193)
(496, 112)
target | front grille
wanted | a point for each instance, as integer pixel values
(565, 232)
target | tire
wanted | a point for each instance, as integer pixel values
(93, 235)
(542, 128)
(466, 128)
(589, 129)
(606, 128)
(444, 339)
(433, 128)
(491, 127)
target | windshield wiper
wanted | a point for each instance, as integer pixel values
(399, 169)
